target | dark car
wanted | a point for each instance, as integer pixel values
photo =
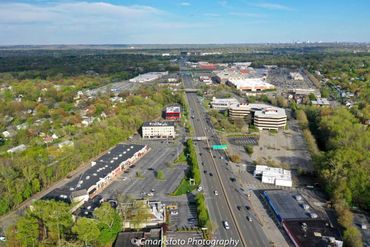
(232, 179)
(211, 174)
(238, 207)
(247, 207)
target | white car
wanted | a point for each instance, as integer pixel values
(150, 194)
(226, 225)
(124, 178)
(249, 218)
(174, 212)
(216, 192)
(200, 188)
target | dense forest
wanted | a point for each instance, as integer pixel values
(59, 64)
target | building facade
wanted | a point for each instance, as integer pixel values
(223, 104)
(263, 116)
(158, 130)
(173, 113)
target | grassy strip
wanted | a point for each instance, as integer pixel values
(183, 188)
(203, 216)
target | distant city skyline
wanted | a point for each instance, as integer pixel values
(43, 22)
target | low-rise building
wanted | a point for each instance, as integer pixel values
(312, 233)
(250, 84)
(296, 76)
(223, 104)
(173, 113)
(101, 173)
(158, 130)
(148, 77)
(321, 102)
(272, 175)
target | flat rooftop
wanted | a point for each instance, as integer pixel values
(224, 101)
(285, 204)
(173, 109)
(158, 124)
(100, 168)
(312, 233)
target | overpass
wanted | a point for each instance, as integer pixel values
(191, 90)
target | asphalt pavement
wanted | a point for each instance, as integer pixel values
(224, 206)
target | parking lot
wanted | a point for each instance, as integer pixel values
(186, 217)
(140, 180)
(243, 141)
(280, 78)
(285, 147)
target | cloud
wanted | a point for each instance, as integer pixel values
(273, 6)
(87, 22)
(29, 13)
(185, 4)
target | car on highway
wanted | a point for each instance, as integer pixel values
(232, 179)
(249, 219)
(215, 192)
(211, 174)
(238, 207)
(174, 212)
(226, 225)
(247, 207)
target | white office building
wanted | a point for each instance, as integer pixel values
(272, 175)
(270, 118)
(264, 116)
(223, 104)
(159, 130)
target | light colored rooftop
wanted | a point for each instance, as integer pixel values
(173, 109)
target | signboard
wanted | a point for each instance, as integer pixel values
(223, 146)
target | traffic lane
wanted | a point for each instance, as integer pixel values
(219, 202)
(214, 184)
(232, 190)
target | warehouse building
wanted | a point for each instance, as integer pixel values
(304, 225)
(250, 84)
(173, 113)
(288, 205)
(158, 130)
(223, 104)
(148, 77)
(272, 175)
(101, 173)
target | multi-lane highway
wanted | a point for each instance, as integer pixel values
(230, 203)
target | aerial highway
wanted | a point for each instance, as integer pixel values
(230, 204)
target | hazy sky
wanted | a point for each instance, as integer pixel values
(188, 21)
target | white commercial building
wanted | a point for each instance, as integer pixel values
(272, 175)
(250, 84)
(148, 77)
(296, 76)
(223, 104)
(158, 130)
